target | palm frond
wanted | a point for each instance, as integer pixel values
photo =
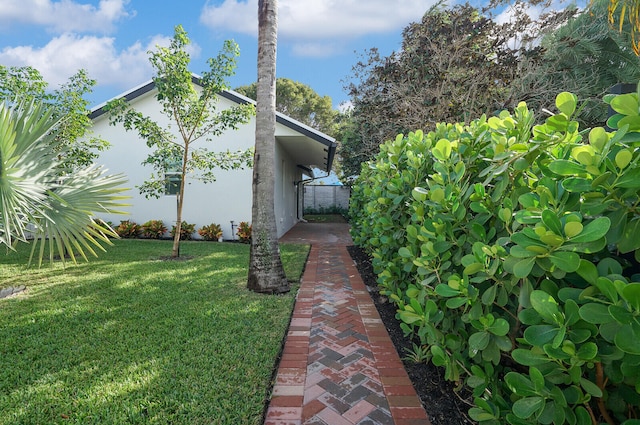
(73, 203)
(26, 167)
(35, 197)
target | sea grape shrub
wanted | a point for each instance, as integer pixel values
(509, 250)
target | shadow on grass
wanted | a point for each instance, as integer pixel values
(129, 339)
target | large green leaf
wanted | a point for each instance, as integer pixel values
(500, 327)
(598, 137)
(546, 306)
(576, 184)
(565, 261)
(621, 314)
(593, 230)
(527, 406)
(405, 253)
(595, 313)
(566, 103)
(628, 339)
(588, 271)
(479, 341)
(522, 239)
(565, 167)
(446, 291)
(631, 293)
(630, 179)
(573, 228)
(523, 267)
(540, 334)
(630, 240)
(520, 384)
(632, 121)
(625, 104)
(551, 220)
(409, 317)
(529, 357)
(607, 287)
(590, 387)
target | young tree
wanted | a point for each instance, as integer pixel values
(195, 116)
(301, 102)
(266, 273)
(35, 197)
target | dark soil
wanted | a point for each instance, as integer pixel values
(443, 404)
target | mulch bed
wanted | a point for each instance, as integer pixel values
(443, 404)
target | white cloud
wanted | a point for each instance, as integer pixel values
(63, 56)
(317, 50)
(64, 15)
(318, 21)
(241, 16)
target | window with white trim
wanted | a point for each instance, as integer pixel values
(172, 178)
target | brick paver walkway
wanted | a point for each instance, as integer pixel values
(339, 366)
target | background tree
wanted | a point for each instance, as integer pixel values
(458, 63)
(36, 198)
(266, 273)
(584, 56)
(626, 11)
(301, 102)
(73, 141)
(453, 65)
(195, 116)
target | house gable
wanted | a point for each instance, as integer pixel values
(307, 147)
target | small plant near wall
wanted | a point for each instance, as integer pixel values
(186, 230)
(154, 229)
(212, 232)
(244, 232)
(128, 229)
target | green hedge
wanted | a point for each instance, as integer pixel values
(510, 250)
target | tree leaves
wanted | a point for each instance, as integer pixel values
(528, 265)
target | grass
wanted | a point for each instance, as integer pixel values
(130, 339)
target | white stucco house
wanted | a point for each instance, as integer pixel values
(299, 148)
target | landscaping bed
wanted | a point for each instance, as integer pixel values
(444, 404)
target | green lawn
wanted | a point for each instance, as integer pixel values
(131, 339)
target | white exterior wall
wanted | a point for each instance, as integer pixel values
(228, 198)
(287, 174)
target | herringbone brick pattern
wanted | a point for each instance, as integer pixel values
(339, 366)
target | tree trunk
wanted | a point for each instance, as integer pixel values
(175, 251)
(265, 269)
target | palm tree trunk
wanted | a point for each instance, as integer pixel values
(265, 269)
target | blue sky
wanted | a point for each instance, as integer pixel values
(318, 42)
